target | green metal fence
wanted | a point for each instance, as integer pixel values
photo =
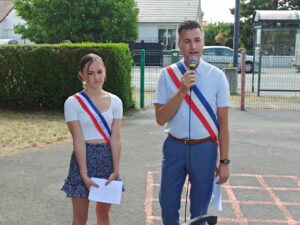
(145, 78)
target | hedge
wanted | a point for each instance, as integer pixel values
(41, 77)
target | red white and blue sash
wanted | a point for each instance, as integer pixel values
(199, 105)
(95, 115)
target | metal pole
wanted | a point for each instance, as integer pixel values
(142, 78)
(236, 33)
(260, 61)
(255, 30)
(199, 14)
(243, 78)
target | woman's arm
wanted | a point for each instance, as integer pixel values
(115, 148)
(80, 152)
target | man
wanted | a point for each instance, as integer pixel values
(193, 103)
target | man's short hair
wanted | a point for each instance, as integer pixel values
(188, 25)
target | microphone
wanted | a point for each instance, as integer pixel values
(192, 62)
(192, 65)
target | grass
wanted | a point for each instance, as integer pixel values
(23, 131)
(20, 131)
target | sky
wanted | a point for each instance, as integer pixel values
(217, 10)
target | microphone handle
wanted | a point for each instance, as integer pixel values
(192, 67)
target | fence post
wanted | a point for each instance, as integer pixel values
(142, 78)
(243, 78)
(231, 74)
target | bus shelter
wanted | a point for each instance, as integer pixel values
(276, 51)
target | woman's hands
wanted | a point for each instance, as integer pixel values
(112, 177)
(88, 182)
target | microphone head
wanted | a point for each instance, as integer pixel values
(192, 62)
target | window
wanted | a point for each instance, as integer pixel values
(209, 51)
(226, 52)
(167, 37)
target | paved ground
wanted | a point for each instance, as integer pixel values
(264, 187)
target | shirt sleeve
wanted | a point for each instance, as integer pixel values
(117, 107)
(223, 94)
(161, 96)
(70, 109)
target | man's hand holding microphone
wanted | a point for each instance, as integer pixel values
(189, 77)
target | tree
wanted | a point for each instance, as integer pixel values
(52, 21)
(220, 39)
(247, 10)
(213, 33)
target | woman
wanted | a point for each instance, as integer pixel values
(94, 118)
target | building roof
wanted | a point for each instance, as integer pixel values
(276, 16)
(167, 11)
(5, 7)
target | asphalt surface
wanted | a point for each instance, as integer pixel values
(264, 147)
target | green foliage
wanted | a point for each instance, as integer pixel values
(247, 10)
(220, 38)
(43, 76)
(249, 6)
(226, 30)
(219, 29)
(78, 20)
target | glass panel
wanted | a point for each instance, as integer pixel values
(227, 52)
(171, 44)
(208, 51)
(162, 38)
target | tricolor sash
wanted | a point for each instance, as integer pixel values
(198, 104)
(95, 115)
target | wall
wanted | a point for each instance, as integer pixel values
(148, 31)
(7, 26)
(273, 61)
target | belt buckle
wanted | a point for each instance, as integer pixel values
(186, 141)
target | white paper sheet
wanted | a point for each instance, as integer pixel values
(111, 193)
(216, 198)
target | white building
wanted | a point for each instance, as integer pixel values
(8, 19)
(159, 19)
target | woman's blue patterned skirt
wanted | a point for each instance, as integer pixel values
(99, 164)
